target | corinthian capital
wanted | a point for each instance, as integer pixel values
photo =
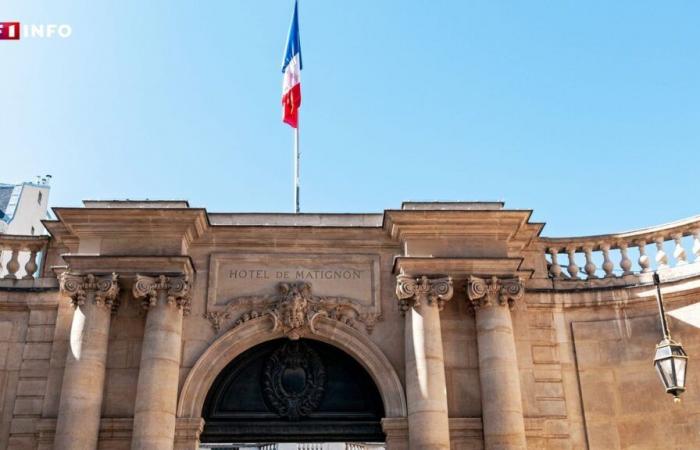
(105, 289)
(414, 290)
(175, 289)
(495, 291)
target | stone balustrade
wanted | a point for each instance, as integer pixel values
(669, 247)
(20, 256)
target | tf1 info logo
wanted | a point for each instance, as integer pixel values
(11, 31)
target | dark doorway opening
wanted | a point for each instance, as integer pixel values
(293, 391)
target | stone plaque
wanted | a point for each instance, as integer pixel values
(250, 282)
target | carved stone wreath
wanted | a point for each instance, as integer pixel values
(294, 380)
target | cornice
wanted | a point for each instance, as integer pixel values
(459, 268)
(114, 223)
(674, 291)
(60, 235)
(511, 226)
(129, 266)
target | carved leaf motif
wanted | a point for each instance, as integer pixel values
(482, 293)
(412, 291)
(293, 310)
(105, 289)
(176, 289)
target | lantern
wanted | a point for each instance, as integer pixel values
(670, 360)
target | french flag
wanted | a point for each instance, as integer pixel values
(291, 68)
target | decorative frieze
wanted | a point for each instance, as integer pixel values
(412, 291)
(293, 309)
(240, 282)
(494, 291)
(176, 289)
(78, 287)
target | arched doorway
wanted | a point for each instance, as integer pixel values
(293, 391)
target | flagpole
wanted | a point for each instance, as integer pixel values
(297, 161)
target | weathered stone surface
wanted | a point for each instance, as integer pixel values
(536, 356)
(37, 350)
(42, 317)
(28, 406)
(618, 387)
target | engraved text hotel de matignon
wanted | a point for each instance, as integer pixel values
(299, 274)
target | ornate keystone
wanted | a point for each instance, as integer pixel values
(410, 289)
(482, 293)
(77, 287)
(177, 291)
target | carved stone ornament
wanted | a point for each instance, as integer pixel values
(77, 287)
(293, 309)
(294, 380)
(482, 293)
(412, 291)
(176, 289)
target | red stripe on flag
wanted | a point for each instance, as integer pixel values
(291, 102)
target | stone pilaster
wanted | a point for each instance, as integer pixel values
(421, 300)
(501, 399)
(166, 299)
(80, 407)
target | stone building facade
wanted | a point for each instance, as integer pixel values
(153, 325)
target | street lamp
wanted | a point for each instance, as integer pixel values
(670, 359)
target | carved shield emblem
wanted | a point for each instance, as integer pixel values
(294, 380)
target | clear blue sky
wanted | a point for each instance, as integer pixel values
(587, 112)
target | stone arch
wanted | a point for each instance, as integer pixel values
(256, 331)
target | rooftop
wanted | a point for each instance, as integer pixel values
(292, 219)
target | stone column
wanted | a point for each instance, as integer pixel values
(166, 299)
(421, 300)
(501, 399)
(80, 407)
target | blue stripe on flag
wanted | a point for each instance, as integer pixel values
(293, 41)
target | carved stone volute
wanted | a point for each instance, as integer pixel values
(494, 291)
(105, 289)
(412, 291)
(175, 289)
(293, 310)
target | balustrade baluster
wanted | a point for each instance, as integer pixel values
(661, 258)
(590, 266)
(13, 263)
(31, 266)
(572, 268)
(608, 265)
(678, 251)
(644, 262)
(625, 261)
(554, 268)
(13, 249)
